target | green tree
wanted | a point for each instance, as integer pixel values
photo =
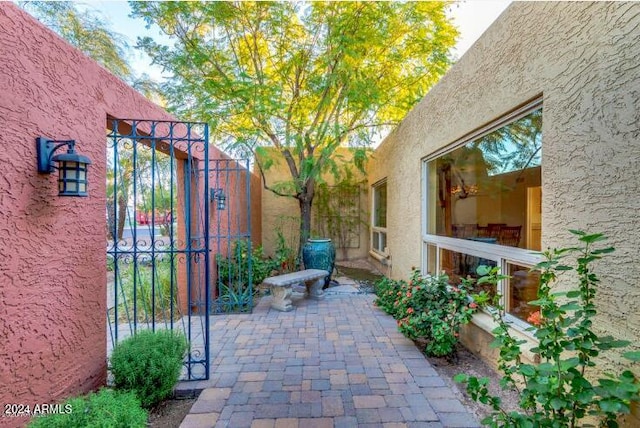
(90, 32)
(303, 77)
(147, 169)
(87, 31)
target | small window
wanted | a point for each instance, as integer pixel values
(522, 289)
(379, 220)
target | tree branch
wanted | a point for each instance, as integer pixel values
(264, 179)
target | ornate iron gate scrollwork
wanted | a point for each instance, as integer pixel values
(231, 236)
(158, 252)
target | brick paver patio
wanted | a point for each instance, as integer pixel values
(338, 362)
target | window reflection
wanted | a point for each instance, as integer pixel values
(380, 205)
(523, 288)
(459, 265)
(379, 220)
(489, 189)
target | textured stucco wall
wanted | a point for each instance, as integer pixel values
(52, 254)
(582, 57)
(283, 213)
(256, 209)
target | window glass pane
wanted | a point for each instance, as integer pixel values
(376, 241)
(523, 288)
(383, 241)
(490, 188)
(380, 205)
(459, 265)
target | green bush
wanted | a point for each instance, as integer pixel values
(234, 270)
(428, 308)
(149, 364)
(232, 299)
(560, 391)
(235, 295)
(105, 409)
(433, 310)
(286, 259)
(388, 292)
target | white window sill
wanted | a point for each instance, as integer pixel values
(485, 322)
(382, 258)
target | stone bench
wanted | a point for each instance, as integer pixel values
(280, 286)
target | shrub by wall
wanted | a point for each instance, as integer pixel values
(149, 364)
(106, 408)
(428, 309)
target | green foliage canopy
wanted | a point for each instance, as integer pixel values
(302, 77)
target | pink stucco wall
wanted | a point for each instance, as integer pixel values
(52, 249)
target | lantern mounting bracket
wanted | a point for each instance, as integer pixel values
(71, 166)
(46, 148)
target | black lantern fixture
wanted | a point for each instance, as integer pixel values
(219, 197)
(72, 167)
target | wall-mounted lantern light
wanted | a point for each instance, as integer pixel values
(72, 167)
(219, 197)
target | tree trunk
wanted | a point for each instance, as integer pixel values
(111, 221)
(122, 214)
(305, 201)
(305, 224)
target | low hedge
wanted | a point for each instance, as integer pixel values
(149, 364)
(106, 409)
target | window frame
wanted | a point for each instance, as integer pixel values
(377, 229)
(501, 254)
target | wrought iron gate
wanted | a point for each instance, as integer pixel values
(158, 252)
(177, 222)
(230, 182)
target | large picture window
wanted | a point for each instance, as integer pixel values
(379, 218)
(483, 205)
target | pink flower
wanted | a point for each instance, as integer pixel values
(473, 305)
(409, 294)
(410, 310)
(535, 318)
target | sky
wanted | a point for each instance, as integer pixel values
(472, 17)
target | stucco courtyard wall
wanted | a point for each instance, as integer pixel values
(52, 256)
(582, 58)
(283, 213)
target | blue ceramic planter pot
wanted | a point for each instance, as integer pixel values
(319, 254)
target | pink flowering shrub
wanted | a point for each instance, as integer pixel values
(428, 308)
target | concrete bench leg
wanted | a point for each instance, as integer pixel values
(280, 298)
(314, 289)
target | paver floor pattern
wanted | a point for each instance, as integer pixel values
(337, 362)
